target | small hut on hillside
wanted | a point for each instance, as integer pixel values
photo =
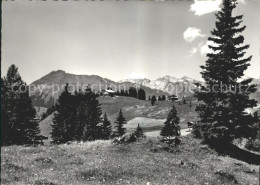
(109, 92)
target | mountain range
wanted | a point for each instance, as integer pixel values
(168, 84)
(45, 91)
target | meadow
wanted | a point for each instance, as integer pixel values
(148, 161)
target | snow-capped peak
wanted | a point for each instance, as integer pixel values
(168, 78)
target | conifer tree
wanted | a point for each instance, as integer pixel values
(120, 121)
(18, 114)
(121, 93)
(92, 129)
(26, 117)
(62, 128)
(139, 132)
(9, 97)
(141, 94)
(149, 98)
(184, 101)
(133, 92)
(255, 133)
(85, 117)
(159, 98)
(6, 126)
(163, 97)
(153, 100)
(171, 125)
(81, 116)
(106, 128)
(223, 98)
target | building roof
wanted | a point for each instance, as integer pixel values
(110, 91)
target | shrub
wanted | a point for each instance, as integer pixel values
(253, 144)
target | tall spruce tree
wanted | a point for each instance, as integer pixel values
(63, 121)
(133, 92)
(92, 128)
(106, 128)
(153, 100)
(26, 117)
(18, 114)
(141, 94)
(6, 126)
(9, 97)
(171, 125)
(223, 98)
(120, 121)
(163, 97)
(81, 116)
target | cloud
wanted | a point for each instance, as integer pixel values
(204, 49)
(191, 33)
(137, 76)
(242, 1)
(193, 51)
(201, 7)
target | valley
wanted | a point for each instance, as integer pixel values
(151, 118)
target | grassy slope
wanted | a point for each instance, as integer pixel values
(45, 127)
(100, 162)
(133, 108)
(40, 111)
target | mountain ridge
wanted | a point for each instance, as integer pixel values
(46, 90)
(168, 84)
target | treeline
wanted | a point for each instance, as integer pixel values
(132, 92)
(153, 99)
(18, 115)
(78, 117)
(158, 98)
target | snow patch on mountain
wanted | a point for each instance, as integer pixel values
(167, 84)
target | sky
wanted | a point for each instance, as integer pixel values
(117, 39)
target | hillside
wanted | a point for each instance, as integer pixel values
(40, 111)
(133, 108)
(136, 111)
(142, 163)
(45, 127)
